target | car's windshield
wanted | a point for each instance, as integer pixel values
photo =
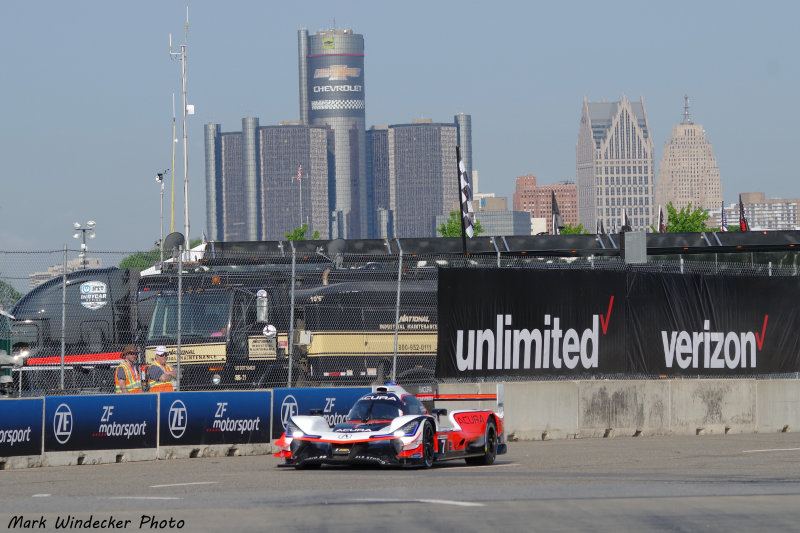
(203, 314)
(376, 407)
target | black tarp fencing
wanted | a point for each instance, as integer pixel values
(529, 323)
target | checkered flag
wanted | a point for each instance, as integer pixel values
(467, 214)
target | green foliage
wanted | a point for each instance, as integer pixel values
(299, 234)
(569, 229)
(8, 296)
(144, 260)
(687, 220)
(452, 228)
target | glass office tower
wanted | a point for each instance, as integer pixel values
(331, 65)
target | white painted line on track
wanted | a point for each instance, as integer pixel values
(183, 484)
(141, 498)
(489, 466)
(40, 496)
(420, 500)
(773, 450)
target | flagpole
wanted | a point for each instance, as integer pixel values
(460, 207)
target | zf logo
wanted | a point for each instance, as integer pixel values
(62, 423)
(288, 408)
(177, 419)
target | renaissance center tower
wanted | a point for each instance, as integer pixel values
(331, 67)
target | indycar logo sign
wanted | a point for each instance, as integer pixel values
(94, 294)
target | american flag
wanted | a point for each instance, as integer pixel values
(723, 221)
(467, 214)
(743, 225)
(662, 227)
(299, 172)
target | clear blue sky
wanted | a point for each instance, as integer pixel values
(87, 92)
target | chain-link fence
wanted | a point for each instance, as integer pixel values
(252, 320)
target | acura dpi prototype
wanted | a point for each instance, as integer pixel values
(391, 427)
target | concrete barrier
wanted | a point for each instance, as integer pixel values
(542, 410)
(615, 408)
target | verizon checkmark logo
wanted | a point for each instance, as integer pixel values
(713, 349)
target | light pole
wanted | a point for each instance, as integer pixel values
(160, 179)
(80, 232)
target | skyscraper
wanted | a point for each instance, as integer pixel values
(615, 165)
(423, 177)
(252, 186)
(331, 64)
(537, 199)
(688, 173)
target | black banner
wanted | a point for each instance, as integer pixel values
(507, 322)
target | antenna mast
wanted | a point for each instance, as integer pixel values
(187, 109)
(687, 118)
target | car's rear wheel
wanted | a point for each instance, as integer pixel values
(427, 445)
(489, 447)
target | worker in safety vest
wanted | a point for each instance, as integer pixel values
(160, 375)
(126, 376)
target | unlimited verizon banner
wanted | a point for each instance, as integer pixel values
(526, 322)
(520, 322)
(713, 325)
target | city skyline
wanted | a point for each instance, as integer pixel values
(89, 91)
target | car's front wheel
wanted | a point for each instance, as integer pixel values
(427, 445)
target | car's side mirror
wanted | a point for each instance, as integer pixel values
(439, 412)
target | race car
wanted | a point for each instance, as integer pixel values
(391, 427)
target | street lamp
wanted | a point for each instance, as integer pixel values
(160, 179)
(80, 232)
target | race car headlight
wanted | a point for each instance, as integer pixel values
(407, 430)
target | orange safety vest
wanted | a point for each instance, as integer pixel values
(160, 386)
(132, 382)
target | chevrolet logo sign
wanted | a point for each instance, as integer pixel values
(337, 72)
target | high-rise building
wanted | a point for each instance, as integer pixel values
(688, 173)
(615, 165)
(538, 200)
(252, 186)
(331, 64)
(423, 176)
(377, 144)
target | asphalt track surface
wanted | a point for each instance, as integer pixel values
(699, 483)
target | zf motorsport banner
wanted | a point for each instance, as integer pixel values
(236, 417)
(526, 322)
(73, 423)
(21, 427)
(333, 403)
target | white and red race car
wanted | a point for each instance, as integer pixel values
(391, 427)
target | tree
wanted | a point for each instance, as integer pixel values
(686, 220)
(299, 234)
(569, 229)
(8, 295)
(452, 228)
(144, 260)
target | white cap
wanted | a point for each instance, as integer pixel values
(161, 350)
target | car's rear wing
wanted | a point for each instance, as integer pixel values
(435, 397)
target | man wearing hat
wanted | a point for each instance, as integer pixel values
(126, 376)
(160, 375)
